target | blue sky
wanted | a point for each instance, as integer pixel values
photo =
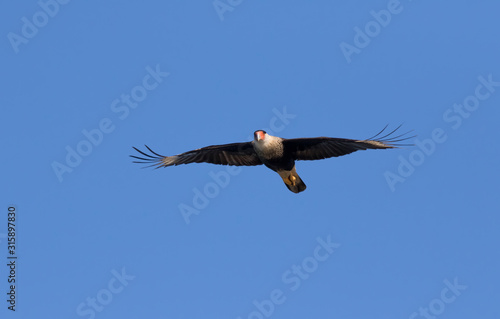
(405, 233)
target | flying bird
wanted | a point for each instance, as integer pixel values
(278, 154)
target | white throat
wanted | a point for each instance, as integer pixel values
(269, 147)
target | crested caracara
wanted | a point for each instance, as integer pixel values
(278, 154)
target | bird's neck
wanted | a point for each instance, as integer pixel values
(270, 147)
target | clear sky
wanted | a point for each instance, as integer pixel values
(404, 233)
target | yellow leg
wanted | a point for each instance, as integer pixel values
(287, 181)
(288, 177)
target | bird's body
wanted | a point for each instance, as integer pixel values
(271, 151)
(278, 154)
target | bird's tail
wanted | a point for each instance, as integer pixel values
(293, 181)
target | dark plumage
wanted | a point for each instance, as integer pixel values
(276, 153)
(239, 154)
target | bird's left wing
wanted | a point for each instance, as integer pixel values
(325, 147)
(239, 154)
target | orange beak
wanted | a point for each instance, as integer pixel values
(260, 135)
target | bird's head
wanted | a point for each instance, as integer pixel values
(259, 135)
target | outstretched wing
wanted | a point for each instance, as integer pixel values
(325, 147)
(239, 154)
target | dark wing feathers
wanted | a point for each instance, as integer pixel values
(325, 147)
(239, 154)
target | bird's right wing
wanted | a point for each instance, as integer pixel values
(239, 154)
